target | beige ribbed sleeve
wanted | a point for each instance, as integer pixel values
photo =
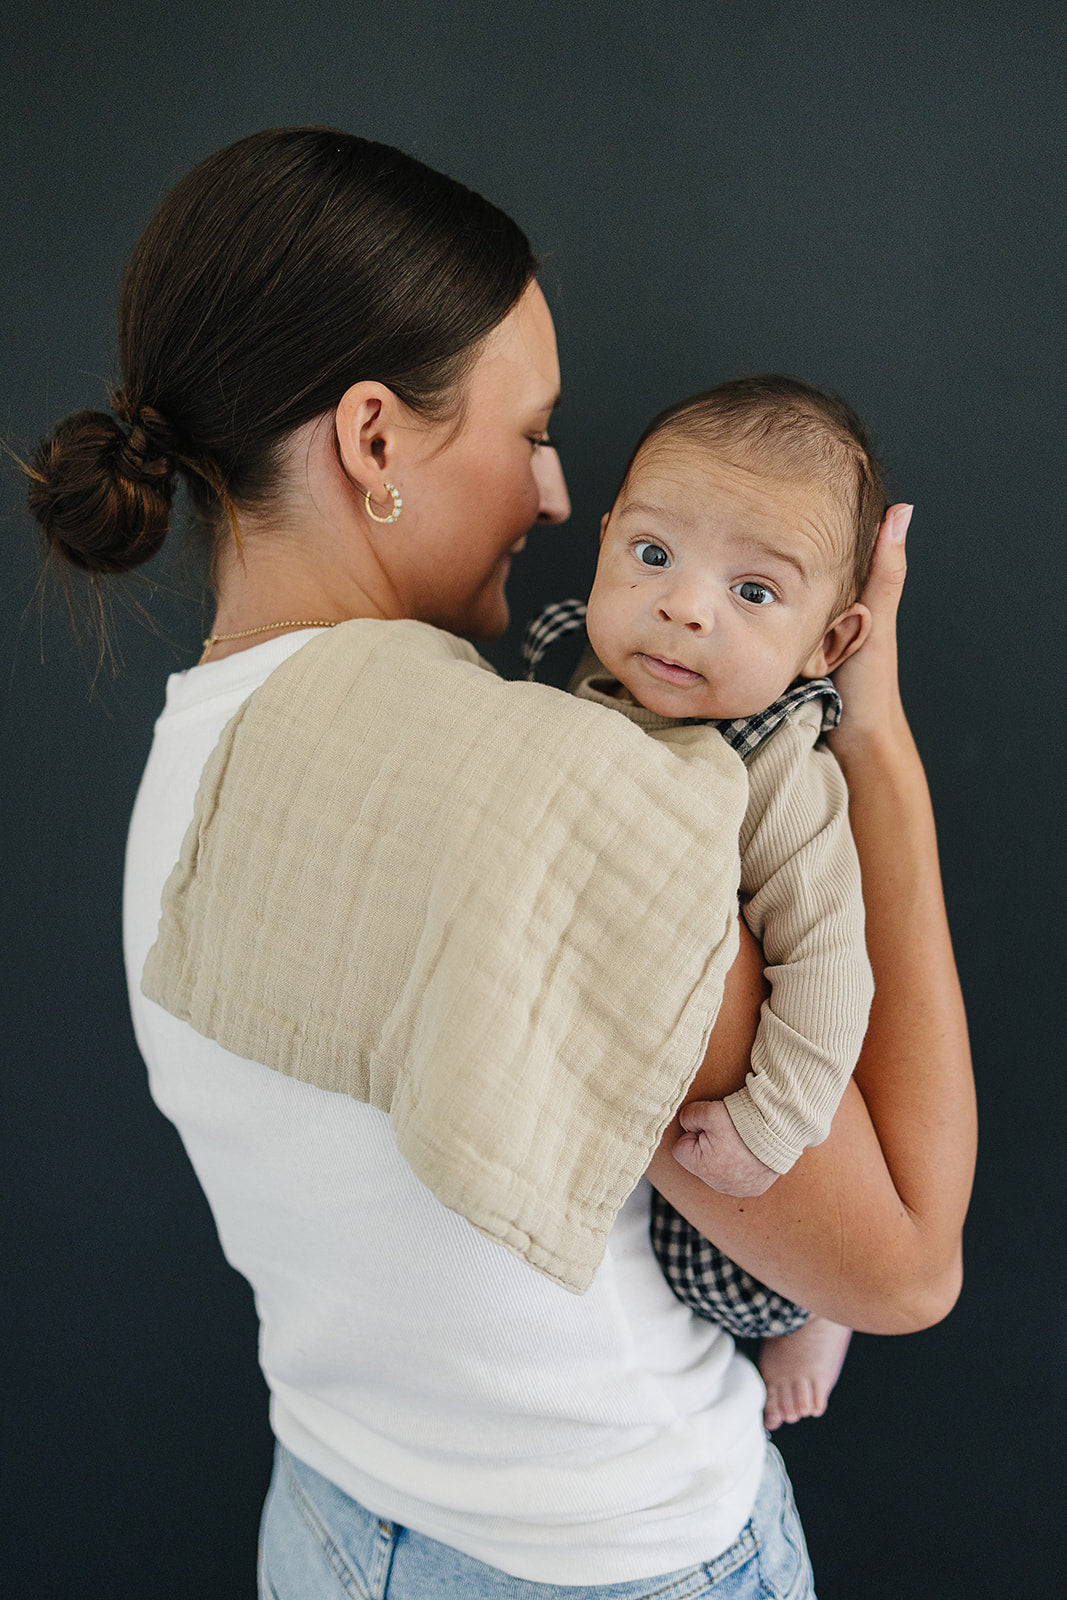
(801, 896)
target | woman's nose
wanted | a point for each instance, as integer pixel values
(554, 503)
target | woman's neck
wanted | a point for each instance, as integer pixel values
(290, 582)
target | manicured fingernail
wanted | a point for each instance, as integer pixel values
(899, 525)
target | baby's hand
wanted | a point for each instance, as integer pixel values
(713, 1150)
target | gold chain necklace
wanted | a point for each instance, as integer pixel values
(268, 627)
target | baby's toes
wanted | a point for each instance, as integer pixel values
(800, 1401)
(773, 1412)
(820, 1399)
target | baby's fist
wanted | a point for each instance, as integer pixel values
(713, 1150)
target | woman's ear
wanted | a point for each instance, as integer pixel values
(367, 434)
(842, 639)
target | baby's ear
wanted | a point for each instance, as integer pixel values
(842, 639)
(604, 525)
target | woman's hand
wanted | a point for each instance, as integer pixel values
(867, 681)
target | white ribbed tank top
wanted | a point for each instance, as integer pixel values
(425, 1370)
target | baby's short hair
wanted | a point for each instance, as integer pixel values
(792, 429)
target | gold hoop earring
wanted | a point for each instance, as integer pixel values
(397, 503)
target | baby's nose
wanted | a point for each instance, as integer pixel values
(688, 608)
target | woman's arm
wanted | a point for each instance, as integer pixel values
(866, 1227)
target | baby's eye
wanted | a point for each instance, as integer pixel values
(653, 555)
(756, 593)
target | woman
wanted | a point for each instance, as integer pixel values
(348, 360)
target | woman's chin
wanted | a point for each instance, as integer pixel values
(487, 621)
(491, 612)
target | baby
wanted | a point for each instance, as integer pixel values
(726, 591)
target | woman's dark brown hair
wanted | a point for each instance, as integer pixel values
(280, 271)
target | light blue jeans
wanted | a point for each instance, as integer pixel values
(317, 1544)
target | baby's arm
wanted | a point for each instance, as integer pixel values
(801, 887)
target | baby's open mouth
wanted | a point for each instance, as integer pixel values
(669, 671)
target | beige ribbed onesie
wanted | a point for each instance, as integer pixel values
(801, 897)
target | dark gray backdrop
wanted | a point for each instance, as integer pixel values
(861, 193)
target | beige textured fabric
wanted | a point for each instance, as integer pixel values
(500, 914)
(801, 896)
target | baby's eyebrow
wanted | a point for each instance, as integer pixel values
(643, 508)
(776, 553)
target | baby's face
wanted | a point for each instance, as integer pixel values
(716, 583)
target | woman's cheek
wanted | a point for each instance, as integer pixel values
(526, 494)
(526, 508)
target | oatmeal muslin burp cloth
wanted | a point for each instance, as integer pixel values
(499, 914)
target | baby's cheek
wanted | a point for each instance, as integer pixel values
(595, 627)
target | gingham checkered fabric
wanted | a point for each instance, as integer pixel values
(557, 619)
(712, 1285)
(704, 1279)
(746, 734)
(743, 734)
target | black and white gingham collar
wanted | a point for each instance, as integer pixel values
(746, 734)
(557, 619)
(743, 734)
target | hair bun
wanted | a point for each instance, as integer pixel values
(151, 437)
(103, 495)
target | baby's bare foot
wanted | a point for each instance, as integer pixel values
(800, 1369)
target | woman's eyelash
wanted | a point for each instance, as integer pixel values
(552, 444)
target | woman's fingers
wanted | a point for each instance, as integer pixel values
(867, 681)
(889, 567)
